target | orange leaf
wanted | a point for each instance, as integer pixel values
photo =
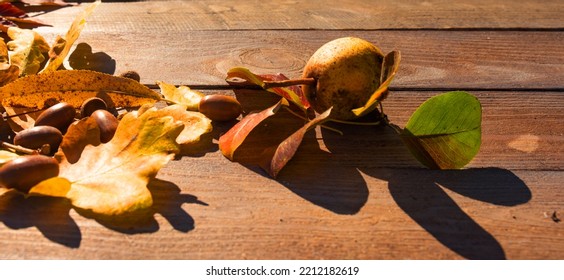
(230, 141)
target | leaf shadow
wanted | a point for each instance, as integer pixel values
(419, 192)
(207, 142)
(421, 195)
(310, 173)
(49, 215)
(321, 179)
(82, 58)
(167, 201)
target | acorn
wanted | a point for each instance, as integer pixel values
(24, 172)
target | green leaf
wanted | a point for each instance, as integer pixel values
(445, 131)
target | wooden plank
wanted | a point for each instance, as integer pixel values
(178, 16)
(354, 197)
(430, 59)
(398, 214)
(358, 196)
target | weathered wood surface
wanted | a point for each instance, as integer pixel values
(358, 196)
(174, 16)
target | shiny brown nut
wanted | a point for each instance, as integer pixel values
(37, 136)
(24, 172)
(92, 104)
(60, 116)
(107, 123)
(131, 74)
(220, 107)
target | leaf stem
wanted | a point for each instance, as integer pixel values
(306, 119)
(291, 82)
(6, 116)
(267, 85)
(357, 123)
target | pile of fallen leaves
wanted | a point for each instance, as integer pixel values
(103, 178)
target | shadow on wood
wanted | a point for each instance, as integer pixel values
(167, 201)
(48, 214)
(82, 58)
(320, 178)
(51, 215)
(311, 174)
(419, 192)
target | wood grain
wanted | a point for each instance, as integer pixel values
(179, 16)
(373, 214)
(354, 197)
(430, 59)
(357, 196)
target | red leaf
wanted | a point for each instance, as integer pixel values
(9, 10)
(230, 141)
(46, 3)
(290, 92)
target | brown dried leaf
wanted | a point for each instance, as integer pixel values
(286, 150)
(390, 66)
(79, 135)
(73, 87)
(21, 118)
(8, 72)
(62, 47)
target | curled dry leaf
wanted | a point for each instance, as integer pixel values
(73, 87)
(26, 50)
(294, 94)
(195, 123)
(14, 14)
(111, 179)
(79, 135)
(4, 56)
(181, 95)
(8, 71)
(21, 118)
(286, 150)
(62, 47)
(390, 66)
